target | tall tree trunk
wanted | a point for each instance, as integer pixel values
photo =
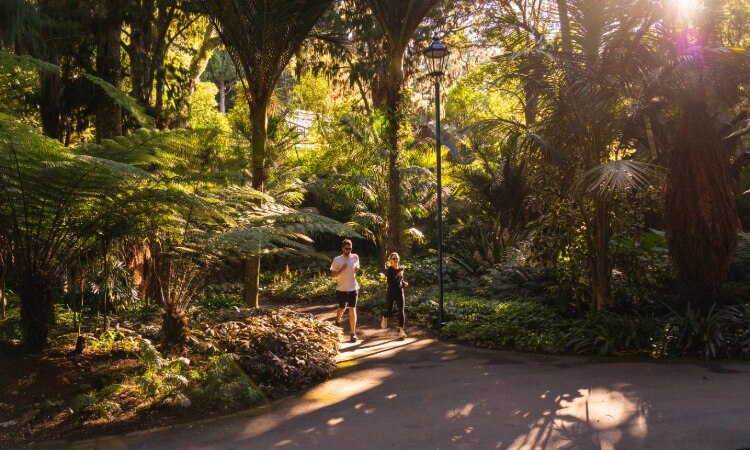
(165, 16)
(395, 78)
(139, 51)
(35, 293)
(105, 284)
(3, 286)
(161, 82)
(199, 61)
(258, 119)
(601, 293)
(562, 11)
(222, 96)
(108, 67)
(699, 207)
(49, 104)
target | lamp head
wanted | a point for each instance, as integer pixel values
(437, 57)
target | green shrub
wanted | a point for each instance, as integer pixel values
(113, 339)
(317, 288)
(423, 270)
(606, 333)
(723, 331)
(526, 326)
(220, 301)
(97, 403)
(163, 380)
(10, 325)
(225, 385)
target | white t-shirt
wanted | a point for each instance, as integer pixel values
(347, 281)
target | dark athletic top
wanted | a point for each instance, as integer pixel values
(395, 280)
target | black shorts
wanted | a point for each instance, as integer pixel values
(347, 299)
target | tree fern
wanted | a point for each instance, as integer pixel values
(57, 204)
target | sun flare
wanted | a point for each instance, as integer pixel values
(687, 8)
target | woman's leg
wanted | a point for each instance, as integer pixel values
(388, 311)
(401, 316)
(389, 301)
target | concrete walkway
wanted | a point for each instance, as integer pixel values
(422, 393)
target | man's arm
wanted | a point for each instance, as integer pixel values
(336, 272)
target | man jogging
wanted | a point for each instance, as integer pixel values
(344, 268)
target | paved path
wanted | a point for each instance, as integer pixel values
(423, 393)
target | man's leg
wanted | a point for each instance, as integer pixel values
(353, 319)
(341, 300)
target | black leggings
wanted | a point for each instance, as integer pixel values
(397, 299)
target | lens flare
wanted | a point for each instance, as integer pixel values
(687, 8)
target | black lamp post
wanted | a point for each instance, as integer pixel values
(437, 57)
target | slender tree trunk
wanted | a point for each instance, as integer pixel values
(49, 104)
(154, 269)
(80, 341)
(3, 287)
(251, 281)
(157, 72)
(161, 82)
(393, 112)
(105, 287)
(108, 67)
(222, 96)
(258, 118)
(139, 50)
(363, 94)
(258, 121)
(601, 294)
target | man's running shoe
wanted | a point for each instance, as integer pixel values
(401, 334)
(354, 338)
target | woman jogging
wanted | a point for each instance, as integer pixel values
(395, 293)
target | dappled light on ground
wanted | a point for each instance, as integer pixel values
(327, 394)
(605, 416)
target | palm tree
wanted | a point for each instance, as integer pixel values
(706, 85)
(398, 20)
(582, 99)
(261, 36)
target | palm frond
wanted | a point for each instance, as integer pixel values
(615, 176)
